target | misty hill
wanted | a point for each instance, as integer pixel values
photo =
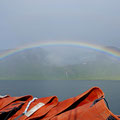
(41, 64)
(113, 48)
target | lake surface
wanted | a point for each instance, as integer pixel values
(62, 89)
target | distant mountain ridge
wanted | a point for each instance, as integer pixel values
(113, 48)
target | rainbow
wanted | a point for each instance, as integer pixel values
(104, 50)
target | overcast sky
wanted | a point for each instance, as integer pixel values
(26, 21)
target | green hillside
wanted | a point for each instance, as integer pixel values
(33, 65)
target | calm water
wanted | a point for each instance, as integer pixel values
(63, 89)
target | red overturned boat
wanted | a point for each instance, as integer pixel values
(90, 105)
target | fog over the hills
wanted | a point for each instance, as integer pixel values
(59, 64)
(26, 22)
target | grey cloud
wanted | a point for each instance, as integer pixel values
(23, 22)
